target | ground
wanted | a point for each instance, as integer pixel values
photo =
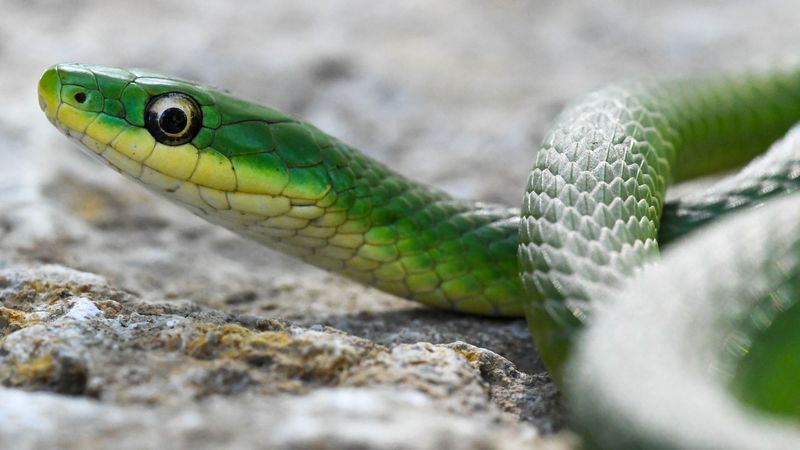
(126, 320)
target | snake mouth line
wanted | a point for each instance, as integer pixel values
(85, 143)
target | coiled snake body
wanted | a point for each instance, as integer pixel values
(591, 218)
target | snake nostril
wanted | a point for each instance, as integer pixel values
(80, 97)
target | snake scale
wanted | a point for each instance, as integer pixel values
(584, 245)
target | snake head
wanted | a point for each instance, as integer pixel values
(132, 113)
(222, 157)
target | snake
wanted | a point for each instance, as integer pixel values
(580, 260)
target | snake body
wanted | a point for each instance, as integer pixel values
(590, 220)
(593, 207)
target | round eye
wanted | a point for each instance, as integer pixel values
(173, 119)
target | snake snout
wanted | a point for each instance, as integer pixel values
(50, 92)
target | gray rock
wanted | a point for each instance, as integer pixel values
(158, 372)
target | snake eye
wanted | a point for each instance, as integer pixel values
(173, 118)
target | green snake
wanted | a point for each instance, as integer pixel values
(591, 219)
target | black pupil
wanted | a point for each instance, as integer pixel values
(173, 120)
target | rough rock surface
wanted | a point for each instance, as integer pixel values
(125, 321)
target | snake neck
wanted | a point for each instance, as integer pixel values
(381, 229)
(326, 203)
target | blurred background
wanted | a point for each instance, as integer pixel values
(455, 93)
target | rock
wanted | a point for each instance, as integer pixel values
(70, 333)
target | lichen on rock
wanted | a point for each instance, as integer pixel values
(70, 333)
